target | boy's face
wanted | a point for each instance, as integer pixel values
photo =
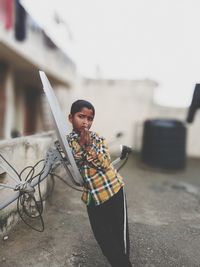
(82, 120)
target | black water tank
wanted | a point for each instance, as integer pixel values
(164, 143)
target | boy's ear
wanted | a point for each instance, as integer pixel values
(70, 118)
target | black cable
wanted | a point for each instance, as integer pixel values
(64, 181)
(122, 165)
(23, 219)
(31, 171)
(27, 205)
(25, 198)
(42, 160)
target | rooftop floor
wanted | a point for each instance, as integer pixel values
(164, 222)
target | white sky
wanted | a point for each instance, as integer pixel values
(133, 39)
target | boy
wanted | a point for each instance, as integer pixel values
(103, 186)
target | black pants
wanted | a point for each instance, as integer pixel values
(110, 227)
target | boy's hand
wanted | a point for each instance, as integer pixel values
(85, 139)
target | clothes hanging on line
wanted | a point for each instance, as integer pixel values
(7, 13)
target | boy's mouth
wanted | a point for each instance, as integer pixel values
(85, 128)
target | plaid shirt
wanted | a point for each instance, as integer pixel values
(101, 180)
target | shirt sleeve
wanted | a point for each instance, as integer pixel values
(78, 152)
(98, 155)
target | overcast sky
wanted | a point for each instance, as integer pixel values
(133, 39)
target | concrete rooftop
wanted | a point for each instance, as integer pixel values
(164, 222)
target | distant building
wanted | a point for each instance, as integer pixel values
(25, 48)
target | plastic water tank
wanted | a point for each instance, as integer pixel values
(164, 143)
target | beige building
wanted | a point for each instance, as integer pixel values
(124, 105)
(24, 50)
(120, 106)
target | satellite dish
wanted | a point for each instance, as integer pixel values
(61, 128)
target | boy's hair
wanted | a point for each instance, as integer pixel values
(79, 104)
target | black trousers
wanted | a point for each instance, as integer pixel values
(110, 227)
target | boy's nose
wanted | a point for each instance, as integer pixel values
(85, 123)
(85, 120)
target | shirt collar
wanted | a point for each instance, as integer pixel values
(74, 135)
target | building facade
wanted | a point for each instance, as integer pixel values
(25, 48)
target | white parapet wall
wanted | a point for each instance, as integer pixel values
(20, 153)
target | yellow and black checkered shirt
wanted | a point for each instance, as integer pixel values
(101, 180)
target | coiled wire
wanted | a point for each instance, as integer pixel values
(28, 207)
